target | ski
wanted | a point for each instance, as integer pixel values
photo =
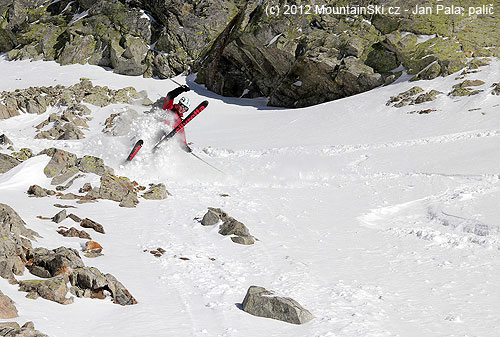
(135, 149)
(182, 124)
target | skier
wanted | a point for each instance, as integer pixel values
(177, 111)
(174, 120)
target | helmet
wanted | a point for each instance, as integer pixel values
(184, 102)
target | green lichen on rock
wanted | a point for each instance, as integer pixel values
(156, 192)
(23, 154)
(463, 88)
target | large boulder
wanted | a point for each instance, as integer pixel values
(7, 162)
(156, 192)
(91, 164)
(16, 240)
(4, 140)
(115, 188)
(90, 282)
(263, 303)
(7, 307)
(12, 329)
(61, 162)
(47, 263)
(53, 289)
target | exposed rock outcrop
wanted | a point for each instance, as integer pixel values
(7, 162)
(16, 241)
(12, 329)
(237, 49)
(263, 303)
(238, 231)
(7, 307)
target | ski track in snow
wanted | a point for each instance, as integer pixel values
(335, 150)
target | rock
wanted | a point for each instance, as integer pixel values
(120, 294)
(4, 140)
(263, 303)
(496, 89)
(79, 49)
(118, 189)
(469, 83)
(88, 281)
(404, 98)
(356, 77)
(243, 240)
(233, 227)
(87, 223)
(463, 88)
(85, 188)
(476, 63)
(65, 175)
(156, 192)
(73, 232)
(39, 192)
(52, 289)
(71, 131)
(210, 218)
(61, 162)
(74, 217)
(128, 60)
(23, 154)
(69, 196)
(12, 329)
(7, 163)
(90, 164)
(7, 307)
(92, 247)
(130, 200)
(64, 206)
(422, 112)
(59, 217)
(49, 263)
(427, 97)
(16, 240)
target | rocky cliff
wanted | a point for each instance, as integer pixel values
(237, 49)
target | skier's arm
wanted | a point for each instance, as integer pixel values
(169, 100)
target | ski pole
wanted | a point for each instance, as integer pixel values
(215, 168)
(180, 85)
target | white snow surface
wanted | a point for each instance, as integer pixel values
(380, 222)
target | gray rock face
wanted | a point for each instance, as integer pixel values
(4, 140)
(12, 329)
(263, 303)
(233, 227)
(61, 162)
(118, 189)
(90, 282)
(210, 218)
(7, 307)
(91, 164)
(52, 289)
(60, 216)
(230, 226)
(39, 192)
(14, 243)
(7, 163)
(156, 192)
(49, 263)
(87, 223)
(73, 232)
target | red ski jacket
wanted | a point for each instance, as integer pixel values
(174, 109)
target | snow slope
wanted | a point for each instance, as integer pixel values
(380, 222)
